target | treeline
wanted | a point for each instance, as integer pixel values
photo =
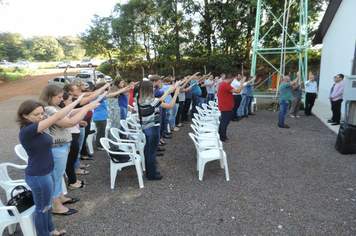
(185, 34)
(14, 47)
(189, 34)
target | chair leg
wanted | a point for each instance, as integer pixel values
(90, 143)
(64, 187)
(12, 228)
(142, 155)
(28, 225)
(201, 169)
(226, 169)
(113, 173)
(139, 173)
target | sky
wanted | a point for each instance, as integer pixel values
(51, 17)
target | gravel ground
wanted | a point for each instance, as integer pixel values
(282, 182)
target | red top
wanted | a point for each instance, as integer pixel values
(131, 99)
(225, 97)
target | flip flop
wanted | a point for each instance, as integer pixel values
(71, 201)
(84, 166)
(82, 185)
(83, 172)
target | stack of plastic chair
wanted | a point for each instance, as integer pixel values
(22, 154)
(140, 146)
(129, 149)
(25, 219)
(209, 149)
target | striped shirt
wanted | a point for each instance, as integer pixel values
(149, 113)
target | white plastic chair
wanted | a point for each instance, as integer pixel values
(206, 153)
(25, 219)
(129, 150)
(22, 154)
(206, 125)
(91, 138)
(140, 146)
(254, 102)
(7, 183)
(204, 132)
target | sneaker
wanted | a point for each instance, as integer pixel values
(292, 116)
(175, 129)
(297, 116)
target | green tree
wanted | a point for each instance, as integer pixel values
(71, 47)
(11, 46)
(98, 39)
(47, 48)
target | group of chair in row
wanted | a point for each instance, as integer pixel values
(206, 138)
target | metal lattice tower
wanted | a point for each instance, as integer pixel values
(299, 49)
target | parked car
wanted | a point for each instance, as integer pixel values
(61, 81)
(88, 76)
(6, 64)
(88, 63)
(65, 64)
(114, 61)
(24, 64)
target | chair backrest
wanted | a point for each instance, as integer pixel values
(194, 138)
(21, 152)
(129, 149)
(115, 132)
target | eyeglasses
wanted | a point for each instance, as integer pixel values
(82, 84)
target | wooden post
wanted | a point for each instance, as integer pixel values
(242, 69)
(143, 72)
(173, 71)
(204, 70)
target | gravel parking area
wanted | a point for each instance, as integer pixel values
(282, 182)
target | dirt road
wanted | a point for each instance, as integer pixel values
(32, 84)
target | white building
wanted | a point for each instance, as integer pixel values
(337, 33)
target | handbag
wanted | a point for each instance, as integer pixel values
(21, 201)
(118, 158)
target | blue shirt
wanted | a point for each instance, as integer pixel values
(101, 112)
(123, 101)
(39, 150)
(249, 90)
(158, 93)
(169, 97)
(189, 93)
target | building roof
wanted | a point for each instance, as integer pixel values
(326, 21)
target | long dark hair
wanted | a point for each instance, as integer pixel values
(65, 97)
(26, 108)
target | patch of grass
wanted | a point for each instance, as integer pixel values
(10, 75)
(47, 66)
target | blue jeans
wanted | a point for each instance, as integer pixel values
(202, 100)
(247, 108)
(173, 116)
(163, 113)
(80, 141)
(42, 189)
(123, 114)
(283, 110)
(195, 102)
(224, 122)
(210, 97)
(60, 156)
(168, 118)
(240, 110)
(152, 142)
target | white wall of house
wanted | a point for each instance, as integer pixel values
(338, 48)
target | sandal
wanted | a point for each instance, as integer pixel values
(82, 185)
(82, 166)
(86, 158)
(82, 172)
(61, 233)
(180, 125)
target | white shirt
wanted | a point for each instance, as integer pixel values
(236, 84)
(311, 87)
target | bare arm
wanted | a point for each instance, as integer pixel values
(123, 90)
(94, 94)
(296, 79)
(72, 121)
(57, 116)
(171, 104)
(238, 90)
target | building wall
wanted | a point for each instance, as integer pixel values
(338, 48)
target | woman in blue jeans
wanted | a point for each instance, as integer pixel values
(148, 109)
(39, 173)
(51, 97)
